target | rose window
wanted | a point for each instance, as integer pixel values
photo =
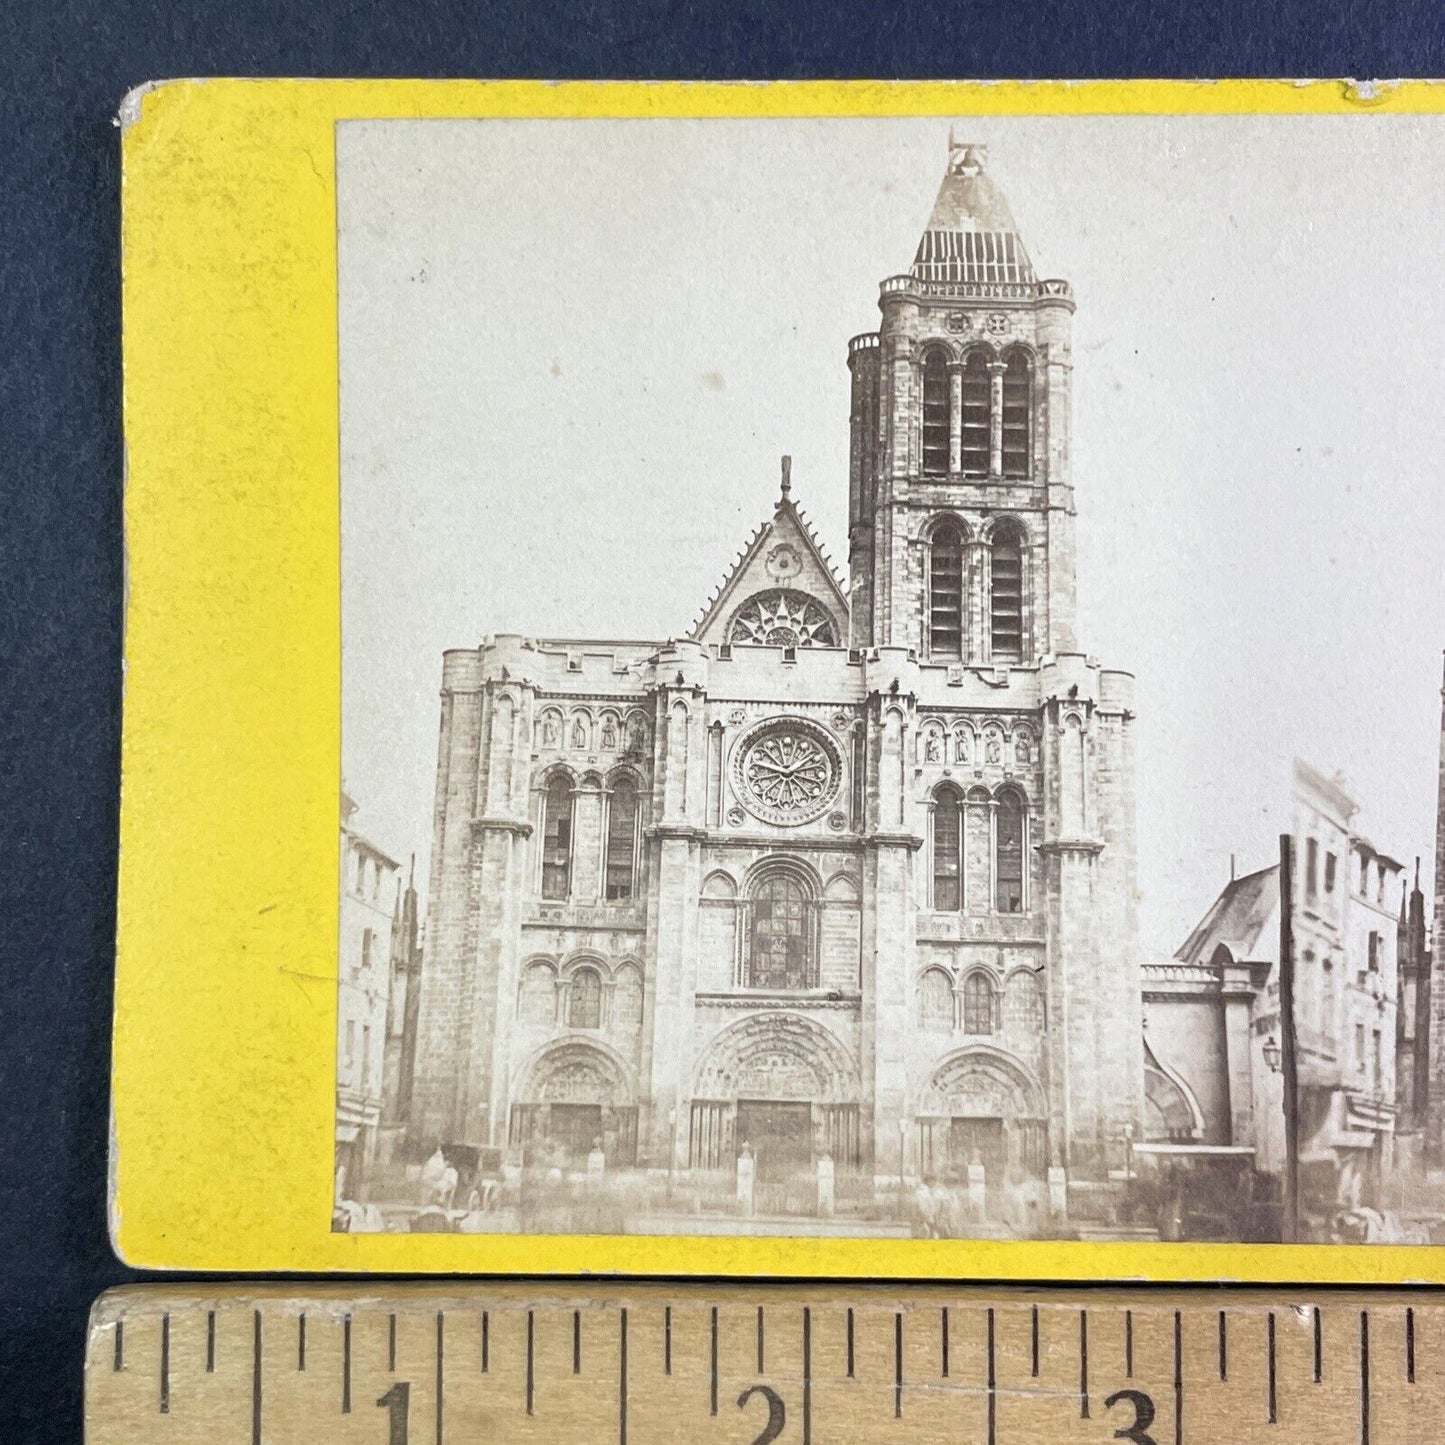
(783, 618)
(787, 771)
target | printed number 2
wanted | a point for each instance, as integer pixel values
(1138, 1432)
(777, 1415)
(395, 1402)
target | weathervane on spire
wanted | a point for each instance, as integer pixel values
(965, 157)
(787, 479)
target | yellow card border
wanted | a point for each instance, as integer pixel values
(223, 1086)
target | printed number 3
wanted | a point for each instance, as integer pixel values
(395, 1403)
(777, 1415)
(1138, 1432)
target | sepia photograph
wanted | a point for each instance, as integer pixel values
(891, 678)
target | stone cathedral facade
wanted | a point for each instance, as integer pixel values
(844, 874)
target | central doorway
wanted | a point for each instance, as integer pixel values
(976, 1141)
(575, 1127)
(780, 1132)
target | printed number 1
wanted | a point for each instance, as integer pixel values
(1138, 1432)
(396, 1401)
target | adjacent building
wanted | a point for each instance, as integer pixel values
(844, 876)
(370, 904)
(1213, 1037)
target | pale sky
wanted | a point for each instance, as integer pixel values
(572, 353)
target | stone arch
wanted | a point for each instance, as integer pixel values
(637, 732)
(983, 1081)
(542, 778)
(1024, 1008)
(801, 872)
(719, 886)
(841, 888)
(627, 995)
(1171, 1108)
(550, 728)
(777, 1056)
(537, 992)
(935, 999)
(609, 730)
(575, 1071)
(932, 743)
(579, 726)
(936, 521)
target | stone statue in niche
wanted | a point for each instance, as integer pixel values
(1021, 749)
(931, 750)
(549, 731)
(579, 734)
(960, 747)
(995, 750)
(609, 734)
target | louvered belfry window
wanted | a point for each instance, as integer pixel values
(935, 414)
(1006, 597)
(977, 410)
(945, 594)
(557, 839)
(1017, 406)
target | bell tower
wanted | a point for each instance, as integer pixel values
(961, 504)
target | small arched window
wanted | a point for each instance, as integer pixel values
(620, 866)
(1008, 855)
(1017, 410)
(977, 1004)
(948, 849)
(557, 839)
(780, 942)
(935, 414)
(945, 593)
(935, 1001)
(1006, 613)
(584, 1000)
(977, 410)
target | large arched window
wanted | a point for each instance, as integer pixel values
(1017, 407)
(945, 593)
(977, 411)
(780, 939)
(557, 839)
(1008, 853)
(620, 865)
(1006, 596)
(935, 1001)
(948, 849)
(935, 414)
(584, 1000)
(978, 1004)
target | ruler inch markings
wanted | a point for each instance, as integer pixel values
(153, 1349)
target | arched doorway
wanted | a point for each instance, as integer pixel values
(982, 1106)
(573, 1096)
(787, 1088)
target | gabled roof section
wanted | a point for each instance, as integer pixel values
(782, 555)
(1237, 919)
(971, 235)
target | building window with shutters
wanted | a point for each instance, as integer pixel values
(947, 849)
(945, 593)
(935, 413)
(1017, 413)
(978, 1004)
(557, 839)
(620, 866)
(977, 414)
(1006, 595)
(1008, 853)
(584, 1000)
(781, 945)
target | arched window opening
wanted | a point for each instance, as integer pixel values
(948, 850)
(976, 410)
(1008, 864)
(935, 414)
(780, 944)
(620, 866)
(977, 1004)
(1017, 410)
(1006, 612)
(557, 839)
(935, 1001)
(584, 1001)
(945, 593)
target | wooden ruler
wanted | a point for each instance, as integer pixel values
(447, 1364)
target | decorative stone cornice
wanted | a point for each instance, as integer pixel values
(830, 999)
(666, 830)
(888, 838)
(1072, 845)
(518, 826)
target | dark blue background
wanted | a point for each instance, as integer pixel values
(66, 66)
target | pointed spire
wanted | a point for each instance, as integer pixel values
(787, 480)
(971, 234)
